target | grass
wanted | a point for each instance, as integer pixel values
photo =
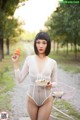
(70, 64)
(67, 62)
(6, 83)
(66, 108)
(5, 102)
(7, 79)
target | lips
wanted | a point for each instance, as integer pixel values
(41, 49)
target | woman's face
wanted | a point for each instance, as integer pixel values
(41, 45)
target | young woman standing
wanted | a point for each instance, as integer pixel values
(39, 68)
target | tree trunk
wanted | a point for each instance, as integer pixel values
(57, 47)
(71, 46)
(53, 45)
(7, 46)
(75, 49)
(67, 47)
(1, 49)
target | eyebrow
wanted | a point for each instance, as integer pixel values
(41, 40)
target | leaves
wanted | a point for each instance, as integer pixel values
(65, 21)
(8, 24)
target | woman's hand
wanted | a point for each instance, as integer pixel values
(16, 55)
(15, 58)
(49, 85)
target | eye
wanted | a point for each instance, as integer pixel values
(44, 42)
(37, 42)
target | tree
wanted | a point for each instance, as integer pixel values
(7, 9)
(64, 23)
(12, 29)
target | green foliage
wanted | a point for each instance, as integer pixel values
(9, 7)
(9, 27)
(27, 36)
(63, 24)
(5, 102)
(12, 28)
(67, 108)
(7, 22)
(6, 76)
(67, 62)
(6, 83)
(2, 20)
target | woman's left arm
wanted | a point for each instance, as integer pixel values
(54, 75)
(53, 82)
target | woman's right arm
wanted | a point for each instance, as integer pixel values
(20, 74)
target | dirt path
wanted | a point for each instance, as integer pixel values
(19, 101)
(73, 80)
(19, 93)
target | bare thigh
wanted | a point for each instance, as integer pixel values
(32, 109)
(45, 110)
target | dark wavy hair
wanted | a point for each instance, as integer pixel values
(45, 36)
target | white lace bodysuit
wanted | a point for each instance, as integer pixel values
(38, 93)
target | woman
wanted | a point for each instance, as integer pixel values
(38, 67)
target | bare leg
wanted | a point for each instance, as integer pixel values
(32, 109)
(45, 110)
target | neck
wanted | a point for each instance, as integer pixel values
(41, 55)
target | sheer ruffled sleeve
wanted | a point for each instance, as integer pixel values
(54, 74)
(21, 74)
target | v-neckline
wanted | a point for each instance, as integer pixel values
(37, 67)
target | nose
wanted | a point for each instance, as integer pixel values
(41, 45)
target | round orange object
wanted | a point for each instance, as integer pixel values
(17, 52)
